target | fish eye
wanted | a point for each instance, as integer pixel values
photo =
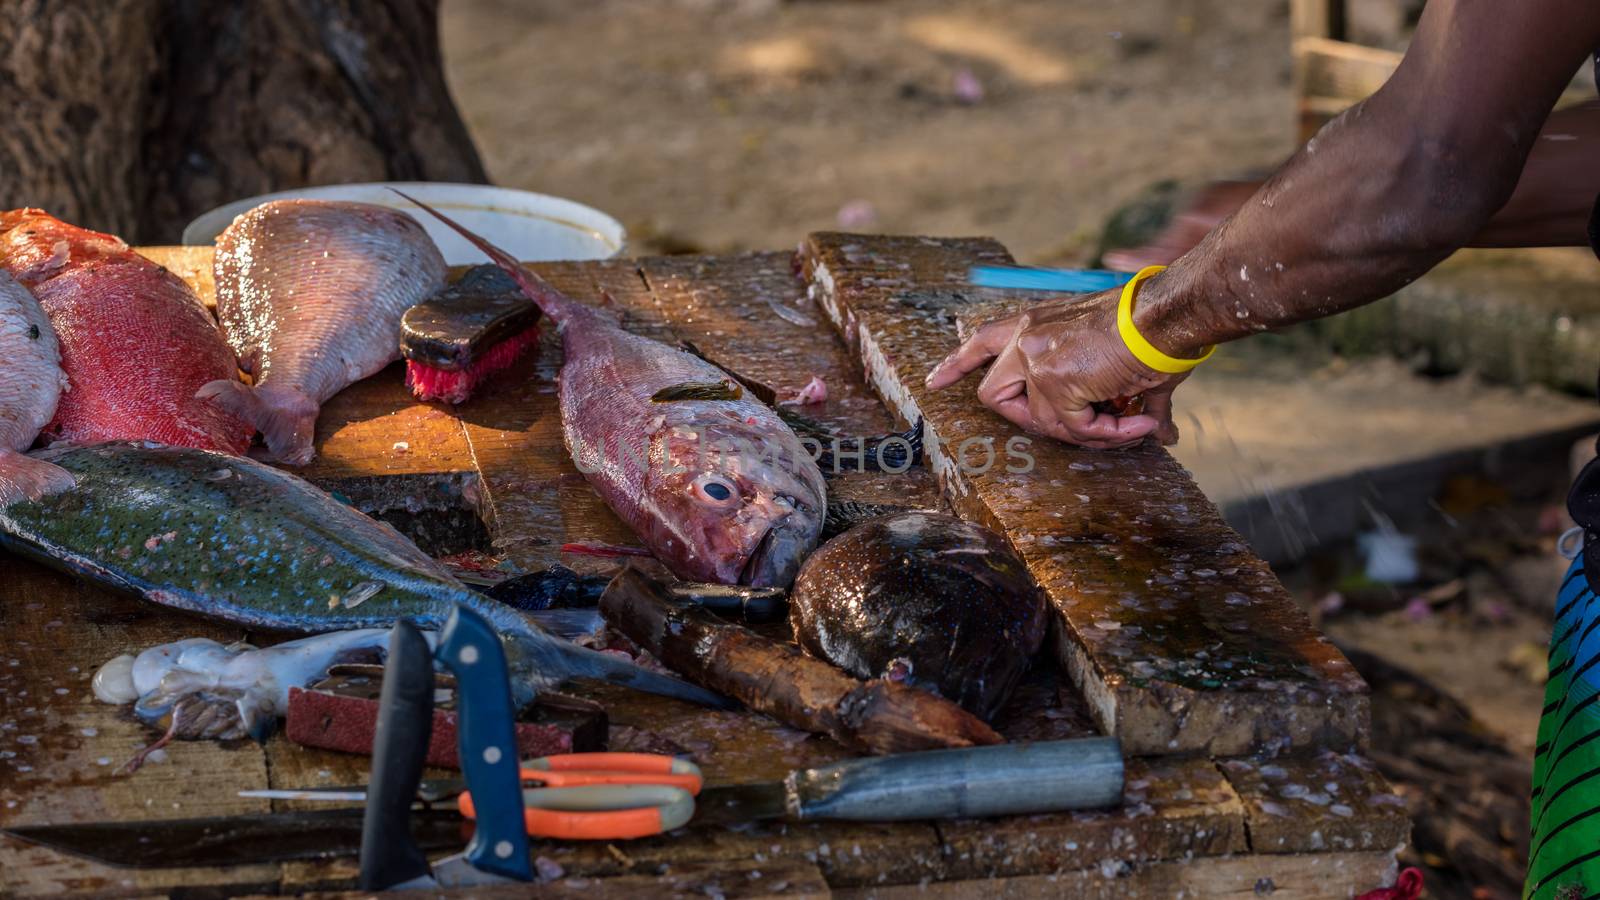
(714, 490)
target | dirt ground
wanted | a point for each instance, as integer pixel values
(743, 124)
(722, 125)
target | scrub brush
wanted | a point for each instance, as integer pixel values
(459, 337)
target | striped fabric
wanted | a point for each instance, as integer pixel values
(1564, 855)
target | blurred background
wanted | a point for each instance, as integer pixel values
(725, 125)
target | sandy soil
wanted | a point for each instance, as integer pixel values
(743, 124)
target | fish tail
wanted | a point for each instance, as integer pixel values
(25, 478)
(551, 301)
(549, 660)
(286, 417)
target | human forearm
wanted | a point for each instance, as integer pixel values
(1556, 194)
(1388, 189)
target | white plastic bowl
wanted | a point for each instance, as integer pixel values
(532, 227)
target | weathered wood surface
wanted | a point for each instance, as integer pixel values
(1310, 876)
(504, 450)
(1328, 802)
(1181, 639)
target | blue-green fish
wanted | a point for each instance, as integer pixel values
(233, 539)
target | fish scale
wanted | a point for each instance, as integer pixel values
(310, 294)
(230, 538)
(136, 342)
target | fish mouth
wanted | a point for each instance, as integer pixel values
(775, 560)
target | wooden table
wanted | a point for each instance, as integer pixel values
(1171, 634)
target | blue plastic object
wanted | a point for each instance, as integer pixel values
(488, 745)
(1069, 281)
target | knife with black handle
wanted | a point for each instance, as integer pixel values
(389, 855)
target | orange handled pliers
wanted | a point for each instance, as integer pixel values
(577, 796)
(605, 796)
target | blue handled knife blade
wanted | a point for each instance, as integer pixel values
(1068, 281)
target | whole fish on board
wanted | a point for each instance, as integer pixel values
(713, 482)
(233, 539)
(31, 381)
(136, 342)
(922, 598)
(310, 294)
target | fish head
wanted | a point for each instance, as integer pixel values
(734, 505)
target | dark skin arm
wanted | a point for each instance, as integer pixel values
(1380, 196)
(1550, 207)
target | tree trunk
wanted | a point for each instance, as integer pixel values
(134, 116)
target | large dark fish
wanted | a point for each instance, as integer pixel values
(713, 482)
(310, 294)
(31, 382)
(136, 341)
(234, 539)
(926, 598)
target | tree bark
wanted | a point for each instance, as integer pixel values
(134, 116)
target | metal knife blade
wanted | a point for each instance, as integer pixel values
(732, 804)
(232, 840)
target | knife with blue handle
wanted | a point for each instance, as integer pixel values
(498, 851)
(1067, 281)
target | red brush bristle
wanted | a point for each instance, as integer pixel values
(455, 386)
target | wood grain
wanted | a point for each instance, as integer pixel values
(1182, 640)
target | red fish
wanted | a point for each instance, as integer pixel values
(310, 294)
(713, 482)
(136, 341)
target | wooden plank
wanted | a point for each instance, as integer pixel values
(1331, 75)
(734, 879)
(1327, 802)
(192, 264)
(1321, 876)
(1179, 637)
(1317, 18)
(1172, 809)
(60, 749)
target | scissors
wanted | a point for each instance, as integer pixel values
(577, 796)
(618, 795)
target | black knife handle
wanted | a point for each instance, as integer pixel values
(389, 855)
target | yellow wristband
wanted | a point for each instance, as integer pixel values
(1143, 350)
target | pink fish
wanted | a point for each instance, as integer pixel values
(136, 342)
(713, 482)
(310, 295)
(31, 381)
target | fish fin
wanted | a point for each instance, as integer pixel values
(286, 417)
(554, 304)
(25, 478)
(550, 661)
(757, 389)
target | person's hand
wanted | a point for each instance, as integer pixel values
(1203, 212)
(1054, 363)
